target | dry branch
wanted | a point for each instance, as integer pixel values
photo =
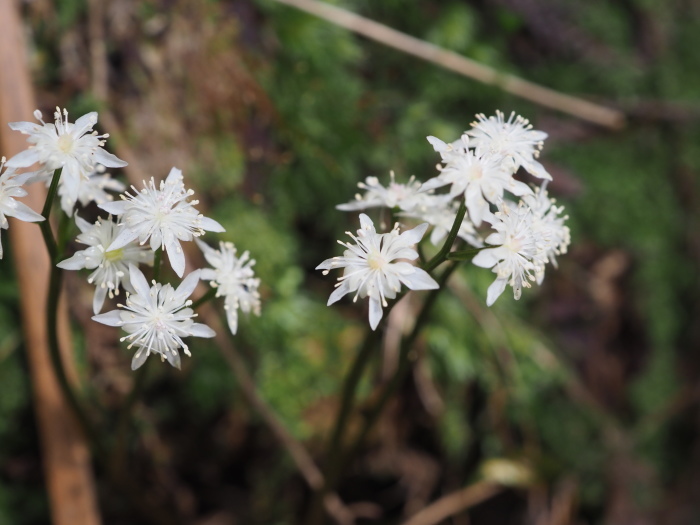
(65, 453)
(578, 107)
(454, 503)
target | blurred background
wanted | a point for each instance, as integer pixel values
(580, 401)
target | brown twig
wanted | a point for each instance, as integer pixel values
(454, 503)
(65, 454)
(578, 107)
(301, 457)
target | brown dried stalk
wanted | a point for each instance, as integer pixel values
(550, 98)
(65, 453)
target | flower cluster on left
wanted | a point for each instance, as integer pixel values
(69, 157)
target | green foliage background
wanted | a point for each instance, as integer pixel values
(340, 108)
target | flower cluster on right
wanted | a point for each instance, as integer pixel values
(478, 168)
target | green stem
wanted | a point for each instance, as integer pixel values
(156, 264)
(441, 256)
(211, 293)
(405, 360)
(120, 444)
(45, 225)
(57, 361)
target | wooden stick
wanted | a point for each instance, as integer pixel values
(454, 503)
(65, 454)
(578, 107)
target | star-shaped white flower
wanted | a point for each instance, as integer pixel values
(513, 259)
(548, 226)
(162, 214)
(233, 278)
(91, 189)
(406, 196)
(157, 318)
(75, 147)
(370, 270)
(513, 141)
(111, 267)
(479, 176)
(440, 212)
(11, 188)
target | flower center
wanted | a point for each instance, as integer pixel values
(114, 255)
(515, 244)
(65, 143)
(375, 261)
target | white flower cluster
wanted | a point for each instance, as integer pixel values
(163, 215)
(478, 168)
(10, 188)
(370, 270)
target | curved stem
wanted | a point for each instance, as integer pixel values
(55, 281)
(158, 256)
(211, 293)
(441, 256)
(45, 225)
(119, 446)
(405, 360)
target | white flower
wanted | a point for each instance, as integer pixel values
(513, 141)
(233, 278)
(111, 267)
(10, 188)
(90, 189)
(162, 215)
(406, 196)
(513, 260)
(74, 147)
(440, 212)
(480, 177)
(369, 270)
(548, 226)
(157, 318)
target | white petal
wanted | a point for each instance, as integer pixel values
(176, 256)
(125, 237)
(326, 265)
(84, 123)
(431, 184)
(107, 159)
(138, 281)
(201, 330)
(114, 207)
(437, 144)
(139, 358)
(211, 225)
(187, 286)
(375, 312)
(495, 290)
(419, 280)
(28, 128)
(112, 318)
(76, 262)
(82, 224)
(486, 258)
(366, 222)
(174, 359)
(24, 159)
(356, 205)
(339, 292)
(24, 213)
(232, 319)
(411, 237)
(98, 299)
(175, 175)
